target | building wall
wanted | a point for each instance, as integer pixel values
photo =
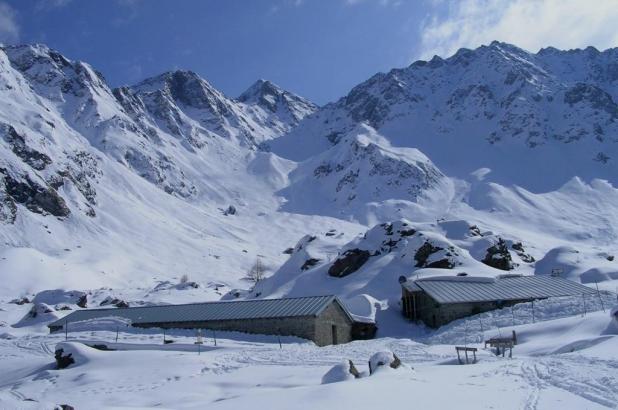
(420, 306)
(333, 315)
(301, 326)
(319, 329)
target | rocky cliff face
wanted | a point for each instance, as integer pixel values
(481, 105)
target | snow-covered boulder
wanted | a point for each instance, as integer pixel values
(383, 359)
(341, 372)
(70, 353)
(39, 313)
(61, 296)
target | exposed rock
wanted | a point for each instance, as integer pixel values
(32, 157)
(20, 301)
(383, 359)
(231, 210)
(498, 256)
(37, 198)
(63, 360)
(425, 251)
(349, 262)
(114, 302)
(309, 263)
(82, 302)
(289, 251)
(518, 247)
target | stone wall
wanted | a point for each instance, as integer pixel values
(300, 326)
(333, 315)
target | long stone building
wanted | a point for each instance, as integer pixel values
(322, 319)
(437, 301)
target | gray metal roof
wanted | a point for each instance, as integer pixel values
(476, 289)
(210, 311)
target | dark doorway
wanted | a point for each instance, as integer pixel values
(334, 330)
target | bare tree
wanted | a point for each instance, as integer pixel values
(256, 273)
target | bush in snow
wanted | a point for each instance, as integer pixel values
(382, 359)
(341, 372)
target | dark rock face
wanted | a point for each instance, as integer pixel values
(119, 303)
(35, 159)
(518, 247)
(231, 210)
(37, 198)
(20, 301)
(63, 361)
(349, 262)
(498, 256)
(425, 251)
(82, 302)
(309, 263)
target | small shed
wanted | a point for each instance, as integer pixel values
(323, 319)
(437, 301)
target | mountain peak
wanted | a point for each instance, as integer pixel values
(269, 96)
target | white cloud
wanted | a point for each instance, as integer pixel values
(9, 29)
(530, 24)
(45, 5)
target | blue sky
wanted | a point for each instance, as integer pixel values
(316, 48)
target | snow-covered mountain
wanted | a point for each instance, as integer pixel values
(135, 186)
(519, 114)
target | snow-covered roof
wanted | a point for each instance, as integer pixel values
(210, 311)
(472, 289)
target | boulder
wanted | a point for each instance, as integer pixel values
(341, 372)
(63, 360)
(382, 359)
(309, 263)
(61, 296)
(498, 256)
(351, 261)
(20, 301)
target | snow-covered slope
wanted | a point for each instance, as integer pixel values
(535, 120)
(363, 176)
(99, 189)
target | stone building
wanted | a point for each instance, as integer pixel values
(437, 301)
(322, 319)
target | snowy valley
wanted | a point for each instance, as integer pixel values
(494, 161)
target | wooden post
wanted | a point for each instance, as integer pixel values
(514, 338)
(584, 302)
(599, 295)
(66, 330)
(466, 352)
(458, 357)
(279, 338)
(513, 314)
(214, 336)
(116, 334)
(163, 335)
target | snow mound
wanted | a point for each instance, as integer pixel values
(384, 361)
(60, 296)
(78, 352)
(340, 372)
(39, 314)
